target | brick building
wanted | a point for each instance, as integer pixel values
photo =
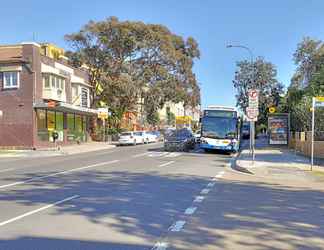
(39, 94)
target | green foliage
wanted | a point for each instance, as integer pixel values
(307, 82)
(153, 118)
(129, 61)
(171, 119)
(262, 75)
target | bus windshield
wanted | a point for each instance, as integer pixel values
(219, 128)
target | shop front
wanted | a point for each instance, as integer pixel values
(71, 123)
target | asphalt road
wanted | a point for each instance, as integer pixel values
(125, 198)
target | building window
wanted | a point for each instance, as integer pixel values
(10, 80)
(84, 97)
(46, 81)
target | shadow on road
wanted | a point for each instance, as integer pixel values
(146, 204)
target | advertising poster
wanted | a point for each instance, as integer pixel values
(278, 129)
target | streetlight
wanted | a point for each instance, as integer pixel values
(252, 128)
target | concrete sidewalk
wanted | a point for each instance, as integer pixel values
(63, 150)
(269, 159)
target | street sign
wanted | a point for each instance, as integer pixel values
(103, 113)
(253, 98)
(272, 110)
(51, 104)
(319, 101)
(252, 114)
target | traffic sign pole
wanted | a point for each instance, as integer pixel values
(313, 131)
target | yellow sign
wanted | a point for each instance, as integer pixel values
(272, 110)
(102, 115)
(183, 119)
(319, 98)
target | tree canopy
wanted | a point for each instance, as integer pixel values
(260, 75)
(134, 61)
(307, 81)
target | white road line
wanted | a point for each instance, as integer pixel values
(58, 173)
(199, 199)
(37, 210)
(205, 191)
(190, 210)
(173, 154)
(166, 164)
(177, 226)
(211, 184)
(157, 154)
(6, 170)
(140, 155)
(160, 246)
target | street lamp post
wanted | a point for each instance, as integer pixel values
(252, 125)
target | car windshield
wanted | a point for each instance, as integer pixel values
(219, 128)
(179, 134)
(138, 133)
(126, 134)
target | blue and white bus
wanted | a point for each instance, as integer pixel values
(220, 129)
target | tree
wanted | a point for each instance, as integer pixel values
(131, 61)
(260, 75)
(307, 81)
(170, 117)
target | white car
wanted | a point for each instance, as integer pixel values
(151, 136)
(131, 137)
(148, 136)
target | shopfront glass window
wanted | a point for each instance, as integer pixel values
(42, 131)
(78, 123)
(70, 127)
(51, 120)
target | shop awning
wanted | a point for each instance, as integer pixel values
(66, 107)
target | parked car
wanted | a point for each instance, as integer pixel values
(131, 137)
(158, 135)
(179, 140)
(150, 136)
(197, 136)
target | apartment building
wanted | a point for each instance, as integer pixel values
(40, 93)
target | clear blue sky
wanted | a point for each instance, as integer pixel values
(271, 28)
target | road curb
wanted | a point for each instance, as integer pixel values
(237, 168)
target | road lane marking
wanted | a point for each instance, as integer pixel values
(177, 226)
(166, 164)
(55, 174)
(140, 155)
(6, 170)
(190, 210)
(199, 199)
(173, 154)
(205, 191)
(211, 184)
(37, 210)
(160, 246)
(157, 154)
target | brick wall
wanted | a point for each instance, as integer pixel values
(17, 124)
